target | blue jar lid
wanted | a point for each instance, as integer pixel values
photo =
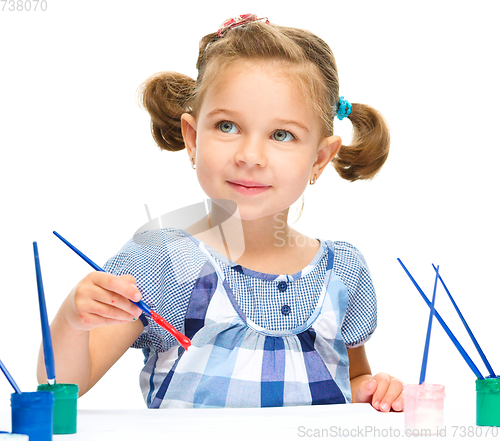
(32, 399)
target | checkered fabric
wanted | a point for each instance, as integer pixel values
(258, 340)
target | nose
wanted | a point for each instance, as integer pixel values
(251, 151)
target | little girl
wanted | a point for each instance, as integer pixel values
(275, 318)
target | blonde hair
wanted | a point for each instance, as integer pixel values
(167, 95)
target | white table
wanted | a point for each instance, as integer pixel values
(310, 422)
(235, 424)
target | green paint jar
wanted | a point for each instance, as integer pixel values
(488, 402)
(65, 396)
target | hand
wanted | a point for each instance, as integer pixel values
(382, 391)
(102, 299)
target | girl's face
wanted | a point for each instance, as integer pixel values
(255, 141)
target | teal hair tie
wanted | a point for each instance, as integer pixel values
(344, 108)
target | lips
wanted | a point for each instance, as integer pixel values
(248, 183)
(248, 187)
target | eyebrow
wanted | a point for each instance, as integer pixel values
(276, 121)
(291, 122)
(225, 111)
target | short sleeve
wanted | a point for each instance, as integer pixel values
(165, 271)
(360, 319)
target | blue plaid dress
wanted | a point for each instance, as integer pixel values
(258, 340)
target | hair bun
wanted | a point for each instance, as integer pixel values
(166, 96)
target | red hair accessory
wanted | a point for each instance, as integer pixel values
(238, 21)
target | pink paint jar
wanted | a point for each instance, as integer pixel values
(424, 409)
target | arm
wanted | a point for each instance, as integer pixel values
(382, 391)
(359, 368)
(93, 329)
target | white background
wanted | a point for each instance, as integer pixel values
(77, 157)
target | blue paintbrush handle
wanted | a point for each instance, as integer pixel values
(428, 335)
(471, 335)
(464, 354)
(48, 351)
(9, 377)
(145, 308)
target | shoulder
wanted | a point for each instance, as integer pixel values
(351, 267)
(346, 255)
(360, 319)
(154, 250)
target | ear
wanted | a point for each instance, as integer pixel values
(188, 126)
(327, 150)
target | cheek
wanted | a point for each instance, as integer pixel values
(209, 167)
(298, 184)
(297, 172)
(210, 161)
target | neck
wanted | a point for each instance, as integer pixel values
(266, 245)
(246, 238)
(267, 235)
(243, 239)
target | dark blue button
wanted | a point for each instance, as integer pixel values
(282, 286)
(285, 310)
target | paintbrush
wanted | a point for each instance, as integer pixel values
(48, 352)
(9, 377)
(428, 335)
(181, 338)
(454, 340)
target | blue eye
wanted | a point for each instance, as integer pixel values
(228, 127)
(283, 136)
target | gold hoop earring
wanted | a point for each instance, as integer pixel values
(313, 181)
(193, 166)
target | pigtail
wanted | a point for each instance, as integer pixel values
(166, 96)
(369, 148)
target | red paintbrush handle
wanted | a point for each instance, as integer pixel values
(181, 338)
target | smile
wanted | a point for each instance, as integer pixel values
(248, 187)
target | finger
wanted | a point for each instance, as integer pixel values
(120, 290)
(118, 301)
(92, 314)
(124, 285)
(392, 395)
(383, 382)
(90, 295)
(399, 403)
(108, 311)
(95, 321)
(93, 306)
(365, 391)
